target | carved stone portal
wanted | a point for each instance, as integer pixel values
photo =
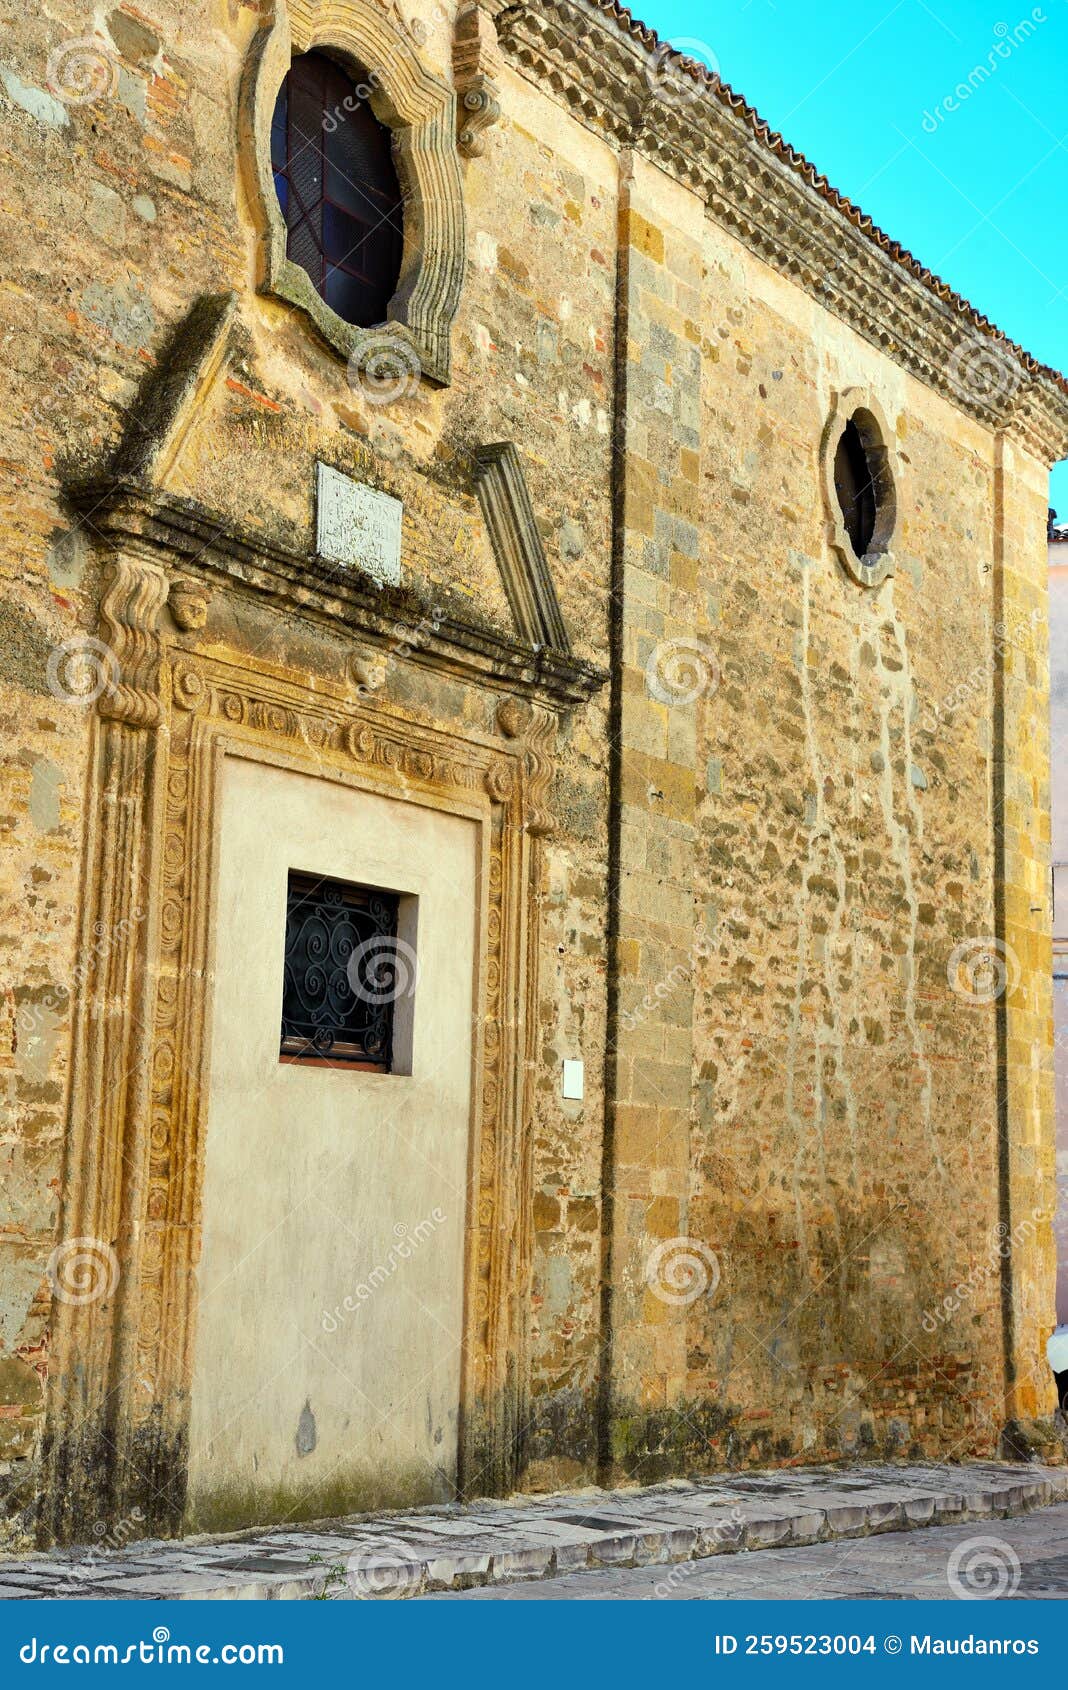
(118, 1418)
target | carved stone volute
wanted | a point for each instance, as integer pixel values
(474, 53)
(129, 612)
(540, 763)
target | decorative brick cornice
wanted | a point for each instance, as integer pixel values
(618, 79)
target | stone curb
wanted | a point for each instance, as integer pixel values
(458, 1548)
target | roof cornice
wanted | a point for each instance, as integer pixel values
(605, 67)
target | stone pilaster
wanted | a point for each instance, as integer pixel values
(92, 1276)
(660, 674)
(1024, 917)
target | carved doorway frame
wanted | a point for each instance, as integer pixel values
(117, 1434)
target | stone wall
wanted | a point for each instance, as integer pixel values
(803, 1125)
(771, 834)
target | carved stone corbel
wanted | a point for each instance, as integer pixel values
(474, 63)
(513, 716)
(368, 670)
(129, 613)
(540, 764)
(537, 727)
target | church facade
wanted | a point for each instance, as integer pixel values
(526, 873)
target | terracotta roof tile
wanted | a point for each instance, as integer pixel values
(797, 161)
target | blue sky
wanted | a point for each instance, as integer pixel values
(978, 193)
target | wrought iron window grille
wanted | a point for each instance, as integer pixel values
(339, 973)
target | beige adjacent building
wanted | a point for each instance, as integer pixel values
(526, 860)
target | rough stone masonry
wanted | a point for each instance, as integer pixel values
(759, 809)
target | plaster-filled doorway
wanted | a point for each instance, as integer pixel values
(330, 1289)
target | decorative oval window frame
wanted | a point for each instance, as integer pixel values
(419, 108)
(860, 406)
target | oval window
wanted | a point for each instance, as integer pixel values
(337, 188)
(856, 484)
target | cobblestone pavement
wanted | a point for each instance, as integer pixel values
(1014, 1560)
(669, 1529)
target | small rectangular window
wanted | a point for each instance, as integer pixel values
(339, 991)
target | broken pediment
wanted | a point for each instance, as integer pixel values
(226, 482)
(206, 430)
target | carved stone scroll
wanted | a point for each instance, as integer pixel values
(129, 613)
(540, 761)
(474, 62)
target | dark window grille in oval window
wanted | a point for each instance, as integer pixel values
(338, 189)
(340, 960)
(855, 486)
